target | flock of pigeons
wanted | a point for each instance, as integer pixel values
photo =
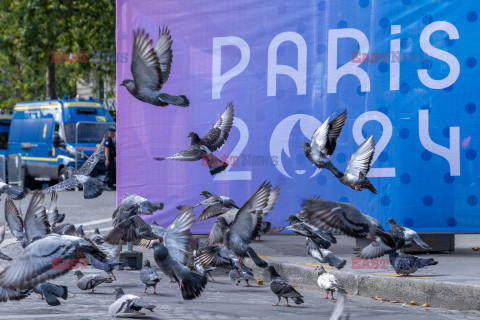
(53, 248)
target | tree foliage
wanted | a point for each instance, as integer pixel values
(30, 30)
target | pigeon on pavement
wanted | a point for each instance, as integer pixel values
(171, 257)
(108, 266)
(246, 225)
(92, 187)
(358, 165)
(239, 274)
(344, 218)
(51, 292)
(328, 282)
(283, 289)
(128, 305)
(38, 261)
(151, 68)
(203, 148)
(149, 277)
(323, 143)
(128, 225)
(216, 205)
(405, 264)
(3, 256)
(324, 255)
(90, 281)
(14, 192)
(97, 237)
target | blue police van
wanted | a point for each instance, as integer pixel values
(50, 135)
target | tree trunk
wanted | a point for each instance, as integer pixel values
(51, 88)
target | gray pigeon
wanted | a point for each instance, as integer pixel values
(51, 292)
(323, 143)
(171, 257)
(92, 187)
(14, 294)
(265, 226)
(149, 277)
(203, 148)
(2, 237)
(407, 234)
(128, 305)
(108, 266)
(344, 218)
(127, 224)
(97, 237)
(65, 229)
(321, 238)
(239, 274)
(283, 289)
(203, 270)
(220, 227)
(53, 215)
(246, 225)
(37, 263)
(14, 192)
(215, 256)
(324, 255)
(405, 264)
(216, 205)
(151, 68)
(79, 232)
(90, 281)
(358, 165)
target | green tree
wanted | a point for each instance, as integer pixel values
(32, 30)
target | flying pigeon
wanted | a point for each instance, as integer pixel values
(53, 215)
(150, 70)
(321, 238)
(97, 237)
(343, 217)
(203, 148)
(220, 227)
(172, 256)
(323, 143)
(128, 305)
(149, 277)
(92, 187)
(239, 274)
(272, 200)
(403, 237)
(328, 282)
(14, 294)
(14, 192)
(127, 224)
(246, 225)
(203, 270)
(2, 237)
(358, 165)
(283, 289)
(37, 263)
(108, 266)
(216, 205)
(51, 292)
(405, 264)
(324, 255)
(35, 224)
(90, 281)
(215, 256)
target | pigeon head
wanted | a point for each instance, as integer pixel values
(79, 274)
(194, 137)
(97, 231)
(146, 263)
(129, 84)
(391, 221)
(232, 203)
(159, 251)
(273, 272)
(305, 145)
(69, 171)
(222, 223)
(320, 270)
(119, 292)
(206, 194)
(293, 219)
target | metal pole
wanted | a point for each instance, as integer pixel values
(130, 246)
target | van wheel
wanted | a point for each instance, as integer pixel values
(62, 174)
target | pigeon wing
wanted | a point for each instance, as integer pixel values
(178, 236)
(163, 49)
(14, 221)
(272, 199)
(334, 129)
(212, 211)
(245, 223)
(68, 184)
(92, 161)
(359, 162)
(218, 133)
(36, 222)
(145, 66)
(2, 232)
(192, 153)
(320, 137)
(335, 217)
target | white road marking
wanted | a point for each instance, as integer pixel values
(95, 222)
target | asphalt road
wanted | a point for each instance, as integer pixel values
(221, 300)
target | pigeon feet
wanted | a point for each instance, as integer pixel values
(144, 291)
(287, 305)
(275, 305)
(180, 284)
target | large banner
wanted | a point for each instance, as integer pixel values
(406, 72)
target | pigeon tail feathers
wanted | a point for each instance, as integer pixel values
(92, 188)
(193, 286)
(215, 165)
(256, 259)
(386, 238)
(166, 99)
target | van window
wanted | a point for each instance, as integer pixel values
(86, 111)
(87, 132)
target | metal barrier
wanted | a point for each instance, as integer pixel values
(16, 169)
(3, 168)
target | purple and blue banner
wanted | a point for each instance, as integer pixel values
(405, 71)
